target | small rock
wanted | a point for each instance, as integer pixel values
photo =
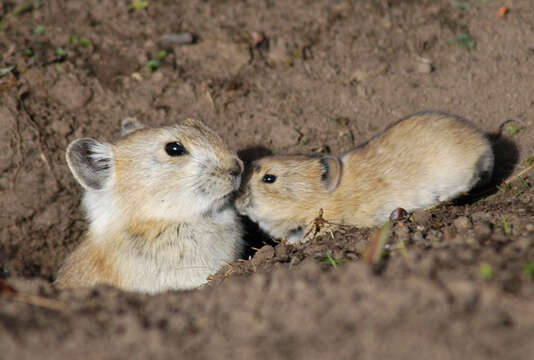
(398, 214)
(183, 38)
(463, 223)
(424, 67)
(530, 227)
(483, 230)
(265, 253)
(281, 252)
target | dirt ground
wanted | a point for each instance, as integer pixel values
(288, 77)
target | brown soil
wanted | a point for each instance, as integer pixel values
(299, 76)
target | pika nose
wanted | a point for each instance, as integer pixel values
(237, 167)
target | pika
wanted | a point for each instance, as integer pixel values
(418, 161)
(158, 205)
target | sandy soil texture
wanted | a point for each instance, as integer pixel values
(283, 77)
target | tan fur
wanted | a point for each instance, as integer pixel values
(156, 222)
(415, 163)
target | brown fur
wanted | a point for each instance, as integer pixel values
(412, 164)
(157, 221)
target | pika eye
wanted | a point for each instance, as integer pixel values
(268, 178)
(175, 149)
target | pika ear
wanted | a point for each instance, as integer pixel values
(129, 125)
(330, 172)
(90, 162)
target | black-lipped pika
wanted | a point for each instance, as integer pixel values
(158, 203)
(417, 162)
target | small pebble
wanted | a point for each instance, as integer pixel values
(398, 214)
(423, 68)
(483, 230)
(178, 39)
(463, 223)
(530, 227)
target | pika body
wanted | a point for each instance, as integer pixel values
(158, 205)
(417, 162)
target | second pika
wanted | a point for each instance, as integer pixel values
(417, 162)
(158, 208)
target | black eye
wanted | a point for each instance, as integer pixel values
(175, 149)
(268, 178)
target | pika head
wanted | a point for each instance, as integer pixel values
(174, 173)
(281, 193)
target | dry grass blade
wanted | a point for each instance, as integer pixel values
(7, 292)
(519, 174)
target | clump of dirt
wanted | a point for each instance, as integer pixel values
(453, 282)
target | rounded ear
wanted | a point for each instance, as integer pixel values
(90, 162)
(129, 125)
(330, 172)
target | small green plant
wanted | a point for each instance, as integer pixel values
(512, 129)
(530, 160)
(464, 41)
(39, 29)
(153, 65)
(139, 5)
(462, 5)
(505, 225)
(27, 52)
(528, 270)
(486, 271)
(73, 40)
(162, 54)
(330, 260)
(61, 53)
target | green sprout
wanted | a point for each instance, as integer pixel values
(61, 53)
(39, 29)
(462, 5)
(505, 225)
(513, 129)
(486, 271)
(162, 54)
(152, 65)
(139, 5)
(464, 41)
(328, 259)
(528, 270)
